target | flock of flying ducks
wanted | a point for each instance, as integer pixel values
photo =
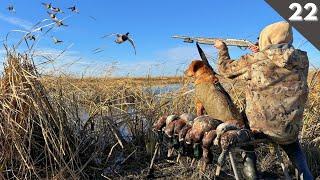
(53, 12)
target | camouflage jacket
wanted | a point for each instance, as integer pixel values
(276, 91)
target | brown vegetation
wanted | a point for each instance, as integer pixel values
(63, 127)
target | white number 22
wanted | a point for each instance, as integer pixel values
(298, 11)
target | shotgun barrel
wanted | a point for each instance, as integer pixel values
(242, 43)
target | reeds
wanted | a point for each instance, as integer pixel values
(35, 142)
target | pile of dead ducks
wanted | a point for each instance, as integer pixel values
(193, 137)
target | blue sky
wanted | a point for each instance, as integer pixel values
(151, 24)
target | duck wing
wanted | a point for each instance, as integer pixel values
(132, 43)
(113, 34)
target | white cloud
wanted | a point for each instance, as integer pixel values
(26, 25)
(172, 61)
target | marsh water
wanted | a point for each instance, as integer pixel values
(131, 111)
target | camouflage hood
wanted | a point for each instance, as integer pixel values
(276, 34)
(275, 41)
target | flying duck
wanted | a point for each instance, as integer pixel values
(121, 38)
(11, 8)
(47, 5)
(74, 9)
(56, 41)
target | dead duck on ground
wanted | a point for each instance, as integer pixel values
(190, 119)
(159, 124)
(173, 130)
(188, 116)
(184, 130)
(229, 139)
(187, 149)
(224, 127)
(201, 125)
(173, 143)
(163, 122)
(185, 120)
(171, 118)
(207, 142)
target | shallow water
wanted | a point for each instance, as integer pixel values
(124, 129)
(163, 89)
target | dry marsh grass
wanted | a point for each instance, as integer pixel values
(95, 128)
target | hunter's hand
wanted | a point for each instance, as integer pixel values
(254, 48)
(219, 44)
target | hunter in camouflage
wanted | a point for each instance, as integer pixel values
(277, 89)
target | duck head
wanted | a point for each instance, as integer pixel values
(184, 131)
(179, 124)
(160, 124)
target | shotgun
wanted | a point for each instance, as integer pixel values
(241, 43)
